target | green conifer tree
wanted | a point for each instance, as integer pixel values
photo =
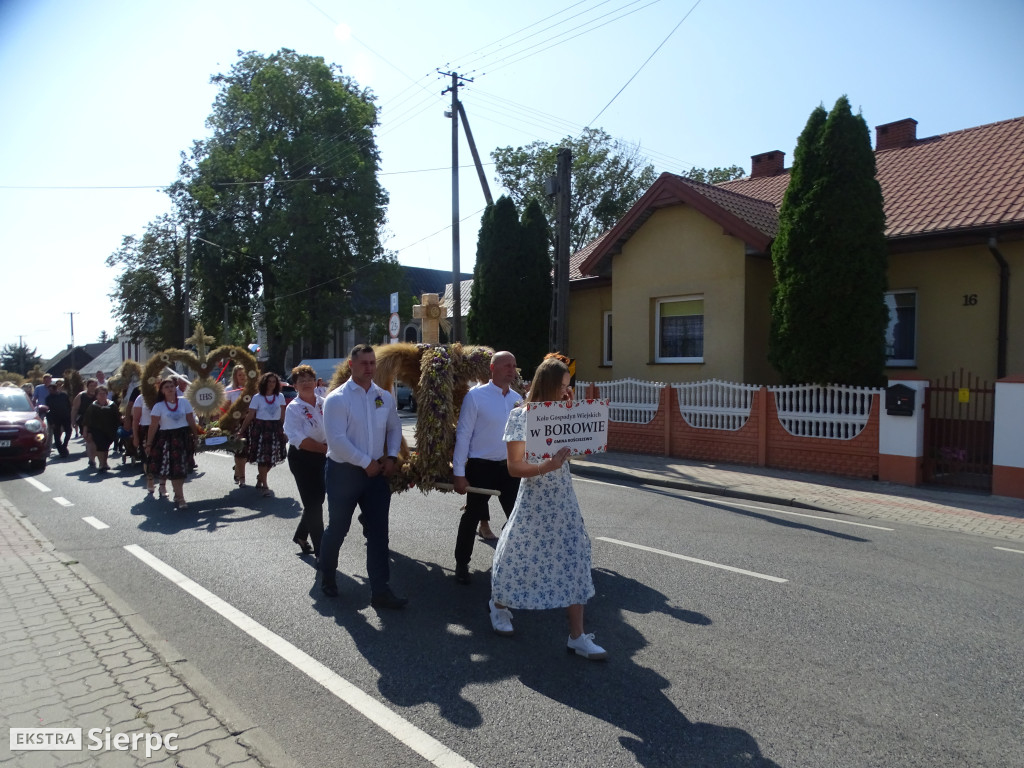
(493, 297)
(828, 311)
(535, 289)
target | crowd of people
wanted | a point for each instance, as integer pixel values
(342, 447)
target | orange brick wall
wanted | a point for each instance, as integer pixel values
(857, 457)
(733, 447)
(669, 434)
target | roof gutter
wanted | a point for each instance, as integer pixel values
(1004, 297)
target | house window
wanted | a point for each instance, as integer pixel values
(679, 330)
(901, 335)
(606, 347)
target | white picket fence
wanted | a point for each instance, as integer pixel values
(808, 410)
(715, 404)
(830, 411)
(631, 401)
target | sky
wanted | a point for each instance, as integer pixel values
(99, 99)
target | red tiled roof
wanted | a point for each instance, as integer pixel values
(955, 182)
(939, 185)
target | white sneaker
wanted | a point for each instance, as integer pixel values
(585, 646)
(501, 619)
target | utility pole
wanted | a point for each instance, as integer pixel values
(562, 191)
(456, 270)
(72, 314)
(188, 270)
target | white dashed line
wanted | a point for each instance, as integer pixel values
(99, 525)
(35, 484)
(417, 740)
(62, 501)
(1007, 549)
(755, 574)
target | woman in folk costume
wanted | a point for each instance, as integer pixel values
(169, 440)
(265, 422)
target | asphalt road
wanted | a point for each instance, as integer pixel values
(738, 634)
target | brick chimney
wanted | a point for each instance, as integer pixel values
(902, 133)
(767, 163)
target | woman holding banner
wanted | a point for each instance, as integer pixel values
(542, 559)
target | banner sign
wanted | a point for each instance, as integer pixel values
(580, 425)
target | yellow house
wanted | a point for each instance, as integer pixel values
(678, 290)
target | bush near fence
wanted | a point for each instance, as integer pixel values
(759, 439)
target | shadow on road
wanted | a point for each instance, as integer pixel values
(442, 645)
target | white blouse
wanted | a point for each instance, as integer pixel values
(267, 408)
(302, 420)
(172, 418)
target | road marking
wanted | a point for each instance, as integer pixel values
(417, 740)
(1007, 549)
(99, 525)
(219, 453)
(35, 484)
(695, 560)
(62, 501)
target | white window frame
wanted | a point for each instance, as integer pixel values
(606, 340)
(902, 362)
(658, 358)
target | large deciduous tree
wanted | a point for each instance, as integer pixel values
(715, 175)
(149, 294)
(287, 202)
(608, 176)
(828, 314)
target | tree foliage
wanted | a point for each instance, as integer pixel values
(608, 176)
(828, 312)
(510, 302)
(286, 201)
(715, 175)
(148, 296)
(19, 359)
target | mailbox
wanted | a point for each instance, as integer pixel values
(899, 400)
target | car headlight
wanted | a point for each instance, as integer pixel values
(34, 425)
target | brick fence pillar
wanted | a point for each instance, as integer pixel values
(901, 440)
(1008, 447)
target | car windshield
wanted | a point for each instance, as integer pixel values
(14, 400)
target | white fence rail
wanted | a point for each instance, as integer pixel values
(831, 411)
(715, 404)
(631, 401)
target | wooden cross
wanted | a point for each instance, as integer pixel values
(434, 315)
(200, 341)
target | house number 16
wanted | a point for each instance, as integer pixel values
(970, 299)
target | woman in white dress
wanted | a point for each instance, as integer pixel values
(542, 559)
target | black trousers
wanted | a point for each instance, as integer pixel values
(483, 473)
(61, 429)
(308, 470)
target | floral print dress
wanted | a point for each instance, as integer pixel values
(542, 559)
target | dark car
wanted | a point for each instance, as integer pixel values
(289, 393)
(403, 396)
(24, 435)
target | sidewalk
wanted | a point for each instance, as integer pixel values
(69, 658)
(961, 511)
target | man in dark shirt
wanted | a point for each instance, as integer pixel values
(59, 416)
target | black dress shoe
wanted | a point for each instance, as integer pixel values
(303, 545)
(388, 599)
(328, 585)
(462, 574)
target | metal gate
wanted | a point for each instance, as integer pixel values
(958, 431)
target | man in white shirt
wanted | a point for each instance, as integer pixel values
(480, 456)
(364, 435)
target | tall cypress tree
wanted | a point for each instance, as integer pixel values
(493, 299)
(828, 311)
(535, 286)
